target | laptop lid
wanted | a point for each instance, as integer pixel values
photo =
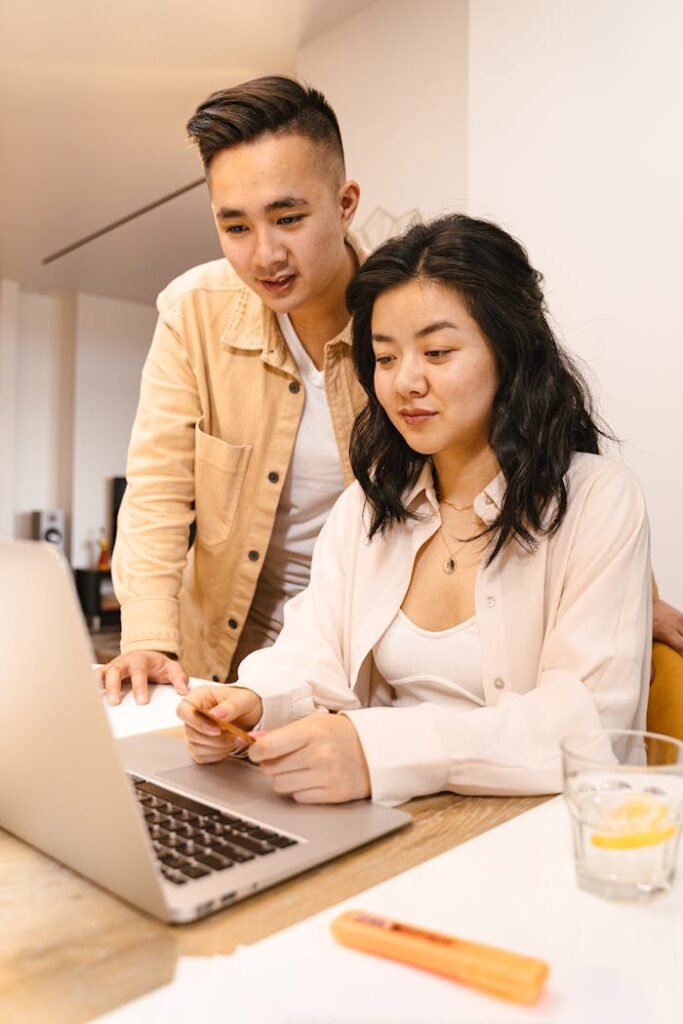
(71, 796)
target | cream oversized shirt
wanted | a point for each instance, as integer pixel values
(565, 640)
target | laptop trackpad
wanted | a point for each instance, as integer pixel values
(230, 782)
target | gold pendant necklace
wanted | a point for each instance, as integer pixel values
(451, 563)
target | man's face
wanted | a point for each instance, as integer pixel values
(282, 214)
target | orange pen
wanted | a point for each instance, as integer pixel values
(225, 726)
(499, 972)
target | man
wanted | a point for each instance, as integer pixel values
(247, 399)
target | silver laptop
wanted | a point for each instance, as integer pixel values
(136, 815)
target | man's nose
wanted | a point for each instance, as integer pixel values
(270, 253)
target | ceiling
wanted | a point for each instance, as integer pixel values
(94, 97)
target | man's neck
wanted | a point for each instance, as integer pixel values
(318, 323)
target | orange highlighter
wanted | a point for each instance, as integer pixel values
(496, 971)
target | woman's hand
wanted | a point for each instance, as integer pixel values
(204, 710)
(317, 760)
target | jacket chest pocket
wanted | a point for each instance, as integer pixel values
(219, 473)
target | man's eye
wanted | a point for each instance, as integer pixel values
(235, 229)
(293, 218)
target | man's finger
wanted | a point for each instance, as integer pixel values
(178, 677)
(112, 684)
(138, 679)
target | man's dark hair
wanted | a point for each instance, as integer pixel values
(273, 105)
(542, 408)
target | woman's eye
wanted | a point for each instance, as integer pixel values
(438, 353)
(383, 360)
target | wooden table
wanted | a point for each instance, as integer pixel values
(69, 951)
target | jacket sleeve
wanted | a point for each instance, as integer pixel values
(594, 673)
(305, 670)
(157, 509)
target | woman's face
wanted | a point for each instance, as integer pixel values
(435, 372)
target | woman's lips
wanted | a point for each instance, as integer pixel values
(278, 286)
(416, 417)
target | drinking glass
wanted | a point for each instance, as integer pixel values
(624, 790)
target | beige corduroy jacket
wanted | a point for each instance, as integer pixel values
(220, 404)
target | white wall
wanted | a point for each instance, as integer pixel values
(396, 76)
(112, 339)
(71, 375)
(575, 145)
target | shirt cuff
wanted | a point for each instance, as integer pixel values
(403, 750)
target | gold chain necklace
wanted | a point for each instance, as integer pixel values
(458, 508)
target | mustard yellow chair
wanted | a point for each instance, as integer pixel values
(665, 705)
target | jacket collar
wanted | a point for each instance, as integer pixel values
(254, 327)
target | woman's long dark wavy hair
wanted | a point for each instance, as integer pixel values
(542, 410)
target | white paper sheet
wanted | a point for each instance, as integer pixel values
(129, 718)
(513, 887)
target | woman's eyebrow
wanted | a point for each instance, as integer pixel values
(438, 325)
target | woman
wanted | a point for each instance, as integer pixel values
(484, 588)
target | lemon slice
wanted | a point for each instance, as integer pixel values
(641, 820)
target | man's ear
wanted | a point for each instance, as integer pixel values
(349, 196)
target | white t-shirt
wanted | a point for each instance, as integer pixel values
(313, 483)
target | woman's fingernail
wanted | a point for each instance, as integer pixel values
(218, 712)
(212, 730)
(257, 732)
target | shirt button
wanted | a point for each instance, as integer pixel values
(273, 477)
(232, 623)
(499, 684)
(253, 556)
(490, 602)
(215, 679)
(295, 387)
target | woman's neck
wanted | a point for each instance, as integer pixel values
(461, 476)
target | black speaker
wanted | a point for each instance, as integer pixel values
(48, 524)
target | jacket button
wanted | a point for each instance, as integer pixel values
(295, 387)
(232, 623)
(273, 477)
(253, 556)
(490, 602)
(499, 684)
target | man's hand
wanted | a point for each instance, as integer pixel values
(667, 625)
(204, 710)
(317, 760)
(141, 668)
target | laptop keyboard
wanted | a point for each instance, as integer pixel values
(192, 840)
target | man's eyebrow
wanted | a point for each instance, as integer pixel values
(438, 325)
(285, 203)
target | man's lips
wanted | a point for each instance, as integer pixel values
(414, 417)
(277, 285)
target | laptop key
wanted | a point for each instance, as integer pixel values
(253, 845)
(194, 871)
(210, 860)
(280, 842)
